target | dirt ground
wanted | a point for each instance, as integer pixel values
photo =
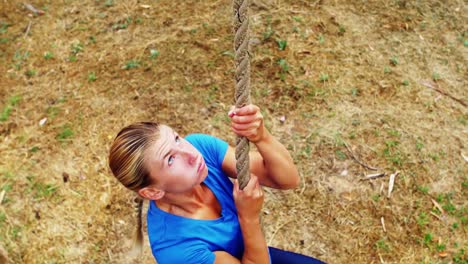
(352, 88)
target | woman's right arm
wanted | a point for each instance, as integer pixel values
(248, 203)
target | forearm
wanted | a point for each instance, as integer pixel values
(255, 246)
(278, 163)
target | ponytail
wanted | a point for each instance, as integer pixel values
(138, 239)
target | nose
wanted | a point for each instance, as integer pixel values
(190, 156)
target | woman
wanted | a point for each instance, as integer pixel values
(196, 214)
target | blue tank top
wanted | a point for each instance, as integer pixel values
(176, 239)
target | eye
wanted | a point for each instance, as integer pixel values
(170, 160)
(177, 139)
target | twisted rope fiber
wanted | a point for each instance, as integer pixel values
(242, 78)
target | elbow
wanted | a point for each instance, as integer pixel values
(296, 181)
(293, 182)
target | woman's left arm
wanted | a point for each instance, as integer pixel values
(272, 162)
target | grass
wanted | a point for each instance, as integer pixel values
(66, 132)
(394, 61)
(76, 48)
(154, 54)
(48, 55)
(40, 190)
(321, 39)
(92, 77)
(30, 73)
(12, 102)
(284, 68)
(427, 239)
(340, 155)
(20, 58)
(131, 64)
(423, 189)
(382, 245)
(423, 219)
(323, 77)
(282, 44)
(323, 74)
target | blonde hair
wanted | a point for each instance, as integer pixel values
(126, 160)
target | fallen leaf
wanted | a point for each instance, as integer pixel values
(443, 254)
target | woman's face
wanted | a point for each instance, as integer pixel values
(174, 163)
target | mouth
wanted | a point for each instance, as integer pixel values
(202, 165)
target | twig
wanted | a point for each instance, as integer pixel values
(464, 157)
(381, 259)
(391, 183)
(435, 87)
(436, 216)
(373, 176)
(276, 231)
(2, 195)
(27, 29)
(383, 224)
(357, 160)
(438, 206)
(31, 8)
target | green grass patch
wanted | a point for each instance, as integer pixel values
(154, 53)
(131, 64)
(48, 55)
(92, 77)
(12, 102)
(427, 240)
(65, 133)
(382, 245)
(423, 189)
(281, 44)
(340, 155)
(324, 77)
(39, 189)
(422, 219)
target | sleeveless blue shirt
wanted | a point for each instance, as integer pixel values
(176, 239)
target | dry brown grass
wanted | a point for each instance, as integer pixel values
(341, 87)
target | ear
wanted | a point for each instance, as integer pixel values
(151, 193)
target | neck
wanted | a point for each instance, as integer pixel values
(182, 203)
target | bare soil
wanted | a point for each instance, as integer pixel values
(344, 85)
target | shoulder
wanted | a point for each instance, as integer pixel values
(212, 148)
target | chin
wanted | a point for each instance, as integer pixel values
(203, 176)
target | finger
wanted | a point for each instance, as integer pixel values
(259, 192)
(246, 127)
(247, 110)
(245, 119)
(232, 111)
(250, 134)
(250, 187)
(236, 188)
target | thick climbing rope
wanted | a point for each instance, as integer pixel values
(242, 78)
